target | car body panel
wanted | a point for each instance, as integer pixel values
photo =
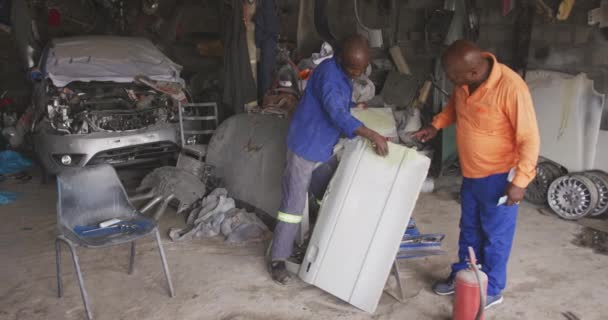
(107, 58)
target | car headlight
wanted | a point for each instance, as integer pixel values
(66, 160)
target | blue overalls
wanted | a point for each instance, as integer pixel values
(322, 116)
(486, 227)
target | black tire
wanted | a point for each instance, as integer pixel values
(45, 176)
(46, 179)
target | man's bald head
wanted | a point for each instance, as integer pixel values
(464, 63)
(355, 55)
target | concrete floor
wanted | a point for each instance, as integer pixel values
(548, 274)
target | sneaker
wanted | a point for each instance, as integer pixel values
(278, 272)
(493, 300)
(445, 287)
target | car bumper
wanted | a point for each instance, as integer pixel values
(115, 148)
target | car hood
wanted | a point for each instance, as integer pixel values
(107, 58)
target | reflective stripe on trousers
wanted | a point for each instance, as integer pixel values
(289, 218)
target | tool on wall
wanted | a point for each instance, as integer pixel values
(523, 32)
(472, 26)
(322, 23)
(564, 10)
(374, 36)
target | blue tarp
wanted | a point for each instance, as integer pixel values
(11, 162)
(7, 197)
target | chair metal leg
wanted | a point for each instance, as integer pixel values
(161, 209)
(58, 263)
(83, 292)
(151, 204)
(144, 196)
(132, 258)
(164, 261)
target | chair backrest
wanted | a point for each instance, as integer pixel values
(90, 195)
(196, 119)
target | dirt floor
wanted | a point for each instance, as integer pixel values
(548, 274)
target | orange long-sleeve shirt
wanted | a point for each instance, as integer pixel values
(496, 127)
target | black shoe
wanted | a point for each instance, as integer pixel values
(444, 288)
(278, 272)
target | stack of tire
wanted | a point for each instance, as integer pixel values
(571, 196)
(579, 195)
(546, 173)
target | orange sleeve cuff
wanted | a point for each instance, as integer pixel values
(438, 123)
(521, 181)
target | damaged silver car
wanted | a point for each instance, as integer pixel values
(90, 108)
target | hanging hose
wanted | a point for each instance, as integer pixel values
(374, 36)
(359, 18)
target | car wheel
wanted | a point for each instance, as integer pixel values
(46, 178)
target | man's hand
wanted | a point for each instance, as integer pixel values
(361, 105)
(380, 145)
(514, 194)
(425, 134)
(378, 141)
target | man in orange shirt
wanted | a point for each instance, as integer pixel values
(496, 132)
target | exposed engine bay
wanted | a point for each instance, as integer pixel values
(87, 107)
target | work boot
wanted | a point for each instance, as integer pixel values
(278, 272)
(444, 287)
(493, 300)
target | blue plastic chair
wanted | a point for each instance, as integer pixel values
(86, 197)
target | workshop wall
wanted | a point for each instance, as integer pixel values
(568, 46)
(288, 17)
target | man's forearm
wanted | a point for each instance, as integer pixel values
(379, 142)
(526, 167)
(443, 120)
(365, 132)
(446, 117)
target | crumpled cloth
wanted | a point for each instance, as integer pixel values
(217, 214)
(326, 52)
(242, 226)
(363, 89)
(408, 123)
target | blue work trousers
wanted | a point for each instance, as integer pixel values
(486, 227)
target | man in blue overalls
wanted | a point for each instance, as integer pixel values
(322, 116)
